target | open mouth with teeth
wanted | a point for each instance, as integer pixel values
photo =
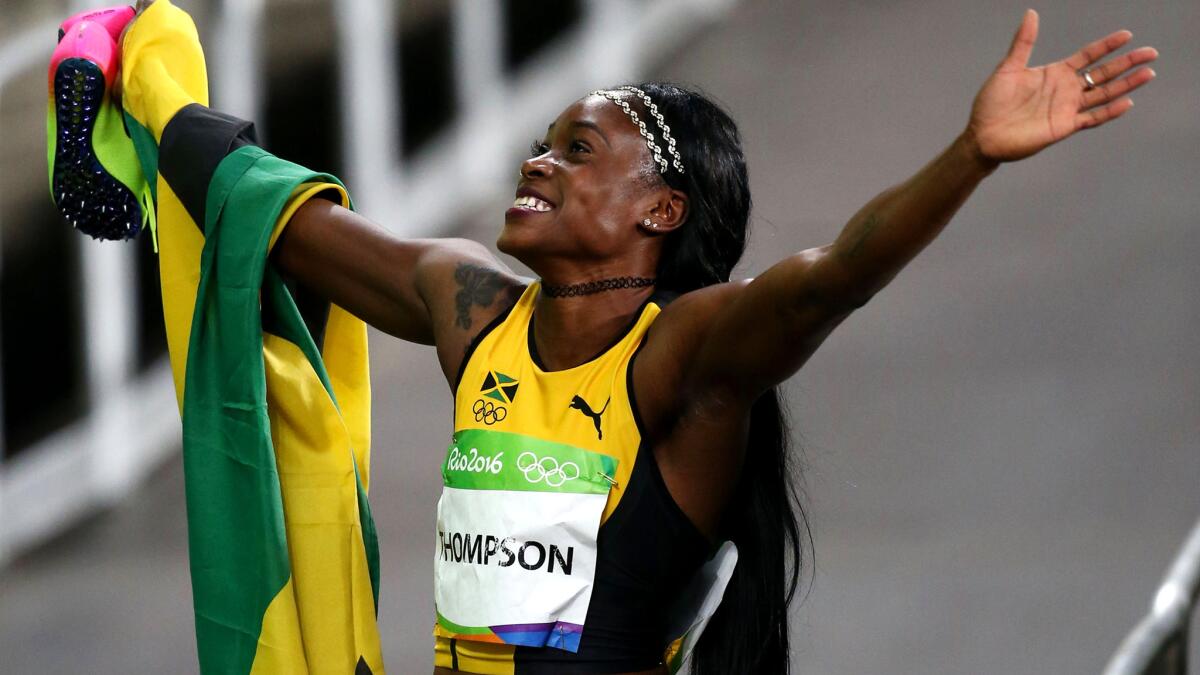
(531, 204)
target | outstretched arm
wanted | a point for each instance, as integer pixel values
(1019, 111)
(429, 291)
(432, 291)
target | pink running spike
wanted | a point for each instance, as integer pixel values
(114, 19)
(91, 42)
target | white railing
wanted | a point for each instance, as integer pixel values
(1158, 645)
(133, 424)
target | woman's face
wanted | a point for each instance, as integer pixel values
(589, 183)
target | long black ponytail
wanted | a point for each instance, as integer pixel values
(748, 634)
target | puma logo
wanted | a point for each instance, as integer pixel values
(582, 406)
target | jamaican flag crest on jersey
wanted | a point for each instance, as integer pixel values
(498, 386)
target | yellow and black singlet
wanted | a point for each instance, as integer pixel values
(559, 549)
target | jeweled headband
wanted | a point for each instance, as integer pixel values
(655, 150)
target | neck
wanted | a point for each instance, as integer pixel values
(568, 331)
(594, 287)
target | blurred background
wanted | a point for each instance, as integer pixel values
(1001, 451)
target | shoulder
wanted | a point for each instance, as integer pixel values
(465, 287)
(463, 281)
(442, 257)
(687, 316)
(661, 371)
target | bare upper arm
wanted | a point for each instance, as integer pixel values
(429, 291)
(771, 326)
(727, 344)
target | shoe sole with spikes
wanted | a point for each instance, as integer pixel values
(95, 179)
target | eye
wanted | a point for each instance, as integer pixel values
(538, 148)
(580, 146)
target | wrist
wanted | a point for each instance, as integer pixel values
(968, 148)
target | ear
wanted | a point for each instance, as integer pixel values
(667, 211)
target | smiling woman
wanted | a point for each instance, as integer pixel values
(617, 418)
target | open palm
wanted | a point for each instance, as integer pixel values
(1021, 110)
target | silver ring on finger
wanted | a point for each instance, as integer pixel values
(1087, 77)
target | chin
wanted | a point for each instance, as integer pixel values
(516, 244)
(504, 242)
(524, 245)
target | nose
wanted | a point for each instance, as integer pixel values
(537, 167)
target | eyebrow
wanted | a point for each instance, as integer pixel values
(586, 125)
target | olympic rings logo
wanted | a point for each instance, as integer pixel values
(546, 469)
(489, 413)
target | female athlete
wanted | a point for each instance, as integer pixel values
(617, 418)
(633, 337)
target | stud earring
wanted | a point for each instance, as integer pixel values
(647, 223)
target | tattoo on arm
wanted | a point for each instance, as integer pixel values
(477, 285)
(860, 237)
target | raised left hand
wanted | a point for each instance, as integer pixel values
(1021, 110)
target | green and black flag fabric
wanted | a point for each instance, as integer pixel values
(275, 401)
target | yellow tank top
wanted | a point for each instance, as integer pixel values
(502, 388)
(514, 424)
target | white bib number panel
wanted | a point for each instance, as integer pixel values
(517, 522)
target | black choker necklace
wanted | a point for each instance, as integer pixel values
(592, 287)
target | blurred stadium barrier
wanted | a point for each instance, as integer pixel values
(1158, 645)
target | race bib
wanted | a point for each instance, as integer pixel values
(516, 538)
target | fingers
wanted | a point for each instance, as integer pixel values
(1106, 90)
(1114, 68)
(1089, 119)
(1022, 44)
(1094, 51)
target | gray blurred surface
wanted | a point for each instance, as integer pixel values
(1002, 449)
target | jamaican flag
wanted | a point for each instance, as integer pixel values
(273, 389)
